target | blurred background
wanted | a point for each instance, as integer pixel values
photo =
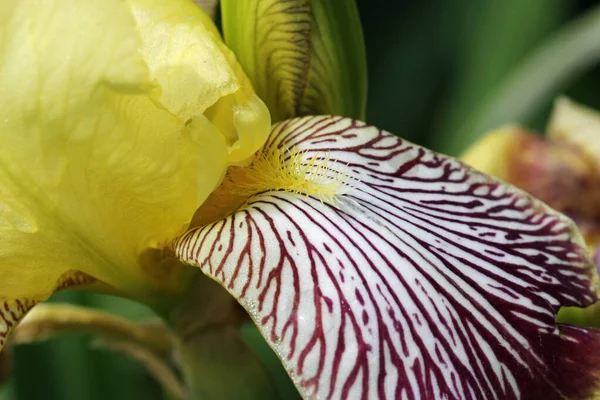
(441, 72)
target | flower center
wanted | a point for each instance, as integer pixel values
(292, 171)
(298, 172)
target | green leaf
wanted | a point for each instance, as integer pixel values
(304, 57)
(563, 57)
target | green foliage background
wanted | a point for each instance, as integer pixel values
(434, 67)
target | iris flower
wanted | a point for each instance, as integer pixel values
(135, 153)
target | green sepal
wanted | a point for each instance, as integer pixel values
(304, 57)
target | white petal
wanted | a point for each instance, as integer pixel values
(424, 280)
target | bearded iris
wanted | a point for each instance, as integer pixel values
(135, 149)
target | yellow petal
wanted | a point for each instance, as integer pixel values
(576, 124)
(196, 72)
(108, 146)
(493, 152)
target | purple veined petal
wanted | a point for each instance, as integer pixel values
(12, 311)
(425, 279)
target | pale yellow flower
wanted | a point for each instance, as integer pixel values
(117, 120)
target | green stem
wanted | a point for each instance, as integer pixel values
(216, 362)
(47, 320)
